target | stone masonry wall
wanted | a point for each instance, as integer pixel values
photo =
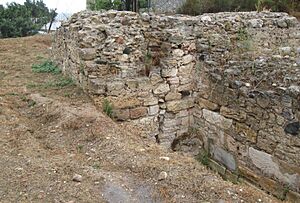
(232, 76)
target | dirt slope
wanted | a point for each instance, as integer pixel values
(49, 133)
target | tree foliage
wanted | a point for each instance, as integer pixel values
(115, 4)
(197, 7)
(18, 20)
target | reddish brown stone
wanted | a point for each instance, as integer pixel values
(138, 112)
(121, 114)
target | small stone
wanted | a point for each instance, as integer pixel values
(77, 178)
(178, 53)
(169, 72)
(205, 19)
(282, 23)
(187, 59)
(163, 175)
(256, 23)
(285, 50)
(153, 110)
(164, 158)
(293, 128)
(173, 96)
(162, 89)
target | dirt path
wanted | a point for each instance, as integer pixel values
(50, 131)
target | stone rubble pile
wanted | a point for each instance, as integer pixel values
(235, 77)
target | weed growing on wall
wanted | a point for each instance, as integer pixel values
(203, 157)
(107, 108)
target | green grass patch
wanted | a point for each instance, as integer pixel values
(107, 108)
(61, 82)
(203, 157)
(46, 67)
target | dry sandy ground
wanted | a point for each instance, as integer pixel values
(49, 134)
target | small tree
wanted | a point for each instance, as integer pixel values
(18, 20)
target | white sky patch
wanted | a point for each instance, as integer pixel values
(63, 6)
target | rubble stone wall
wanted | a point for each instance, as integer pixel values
(234, 77)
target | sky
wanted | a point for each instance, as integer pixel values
(63, 6)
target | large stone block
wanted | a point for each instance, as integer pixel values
(223, 157)
(178, 105)
(233, 113)
(121, 114)
(173, 96)
(217, 119)
(204, 103)
(149, 101)
(248, 174)
(216, 167)
(293, 197)
(115, 87)
(161, 89)
(169, 72)
(88, 54)
(273, 187)
(138, 112)
(125, 102)
(267, 165)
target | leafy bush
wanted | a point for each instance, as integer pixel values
(115, 4)
(203, 157)
(197, 7)
(18, 20)
(105, 4)
(46, 67)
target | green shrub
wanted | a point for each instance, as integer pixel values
(114, 4)
(61, 82)
(18, 20)
(197, 7)
(203, 157)
(105, 4)
(46, 67)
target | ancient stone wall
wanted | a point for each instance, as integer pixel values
(234, 77)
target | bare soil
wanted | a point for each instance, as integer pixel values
(48, 134)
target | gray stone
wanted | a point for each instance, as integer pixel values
(153, 110)
(269, 167)
(187, 59)
(217, 119)
(88, 54)
(162, 89)
(173, 96)
(77, 178)
(163, 175)
(205, 19)
(285, 50)
(256, 23)
(169, 72)
(178, 53)
(178, 105)
(149, 101)
(223, 157)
